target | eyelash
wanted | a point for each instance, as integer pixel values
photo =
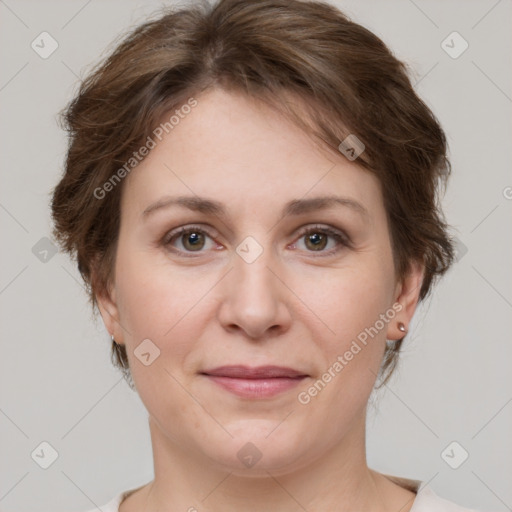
(339, 236)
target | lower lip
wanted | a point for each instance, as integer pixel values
(256, 388)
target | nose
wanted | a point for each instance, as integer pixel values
(255, 300)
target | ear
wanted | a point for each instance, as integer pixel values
(406, 295)
(107, 304)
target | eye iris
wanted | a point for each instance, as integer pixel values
(194, 239)
(317, 239)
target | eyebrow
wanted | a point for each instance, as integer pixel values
(294, 207)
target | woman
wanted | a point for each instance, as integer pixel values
(251, 195)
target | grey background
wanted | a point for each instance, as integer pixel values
(56, 380)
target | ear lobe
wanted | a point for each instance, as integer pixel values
(407, 295)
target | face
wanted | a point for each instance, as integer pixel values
(268, 278)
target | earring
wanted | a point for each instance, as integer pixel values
(401, 327)
(112, 338)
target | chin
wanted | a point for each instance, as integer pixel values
(258, 446)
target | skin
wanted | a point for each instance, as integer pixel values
(294, 306)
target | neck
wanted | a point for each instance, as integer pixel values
(337, 480)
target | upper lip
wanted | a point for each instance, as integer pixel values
(259, 372)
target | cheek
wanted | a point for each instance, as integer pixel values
(356, 308)
(155, 294)
(351, 357)
(347, 301)
(157, 302)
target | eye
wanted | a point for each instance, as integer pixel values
(194, 239)
(316, 239)
(191, 238)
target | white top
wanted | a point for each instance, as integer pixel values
(426, 499)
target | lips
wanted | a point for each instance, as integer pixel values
(255, 383)
(260, 372)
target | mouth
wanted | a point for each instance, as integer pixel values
(259, 382)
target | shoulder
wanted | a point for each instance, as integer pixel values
(428, 501)
(113, 504)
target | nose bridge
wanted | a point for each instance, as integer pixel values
(253, 297)
(252, 277)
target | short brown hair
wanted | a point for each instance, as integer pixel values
(350, 83)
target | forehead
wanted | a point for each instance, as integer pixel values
(244, 153)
